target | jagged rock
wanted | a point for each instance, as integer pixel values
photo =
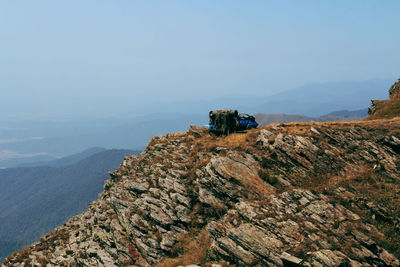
(168, 240)
(137, 187)
(388, 258)
(363, 253)
(328, 257)
(289, 260)
(196, 131)
(246, 210)
(365, 241)
(264, 137)
(228, 248)
(238, 169)
(253, 239)
(314, 130)
(207, 197)
(180, 199)
(394, 89)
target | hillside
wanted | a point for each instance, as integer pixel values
(320, 194)
(386, 108)
(34, 200)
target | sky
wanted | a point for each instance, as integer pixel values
(99, 57)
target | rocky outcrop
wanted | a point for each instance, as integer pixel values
(394, 90)
(285, 195)
(375, 106)
(386, 108)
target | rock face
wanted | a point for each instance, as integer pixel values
(324, 194)
(375, 105)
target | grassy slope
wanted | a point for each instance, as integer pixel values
(387, 109)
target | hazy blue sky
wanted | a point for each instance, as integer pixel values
(103, 56)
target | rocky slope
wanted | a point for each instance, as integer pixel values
(313, 194)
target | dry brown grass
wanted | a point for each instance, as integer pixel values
(387, 108)
(330, 181)
(390, 109)
(194, 251)
(391, 126)
(234, 140)
(369, 185)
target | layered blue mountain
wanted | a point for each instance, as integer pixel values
(318, 99)
(34, 200)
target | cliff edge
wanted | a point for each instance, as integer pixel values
(312, 194)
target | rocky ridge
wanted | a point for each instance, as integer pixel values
(312, 194)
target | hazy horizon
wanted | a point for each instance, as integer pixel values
(102, 58)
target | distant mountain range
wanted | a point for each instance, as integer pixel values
(65, 161)
(318, 99)
(34, 200)
(313, 99)
(45, 160)
(342, 115)
(23, 141)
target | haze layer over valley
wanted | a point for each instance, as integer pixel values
(24, 140)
